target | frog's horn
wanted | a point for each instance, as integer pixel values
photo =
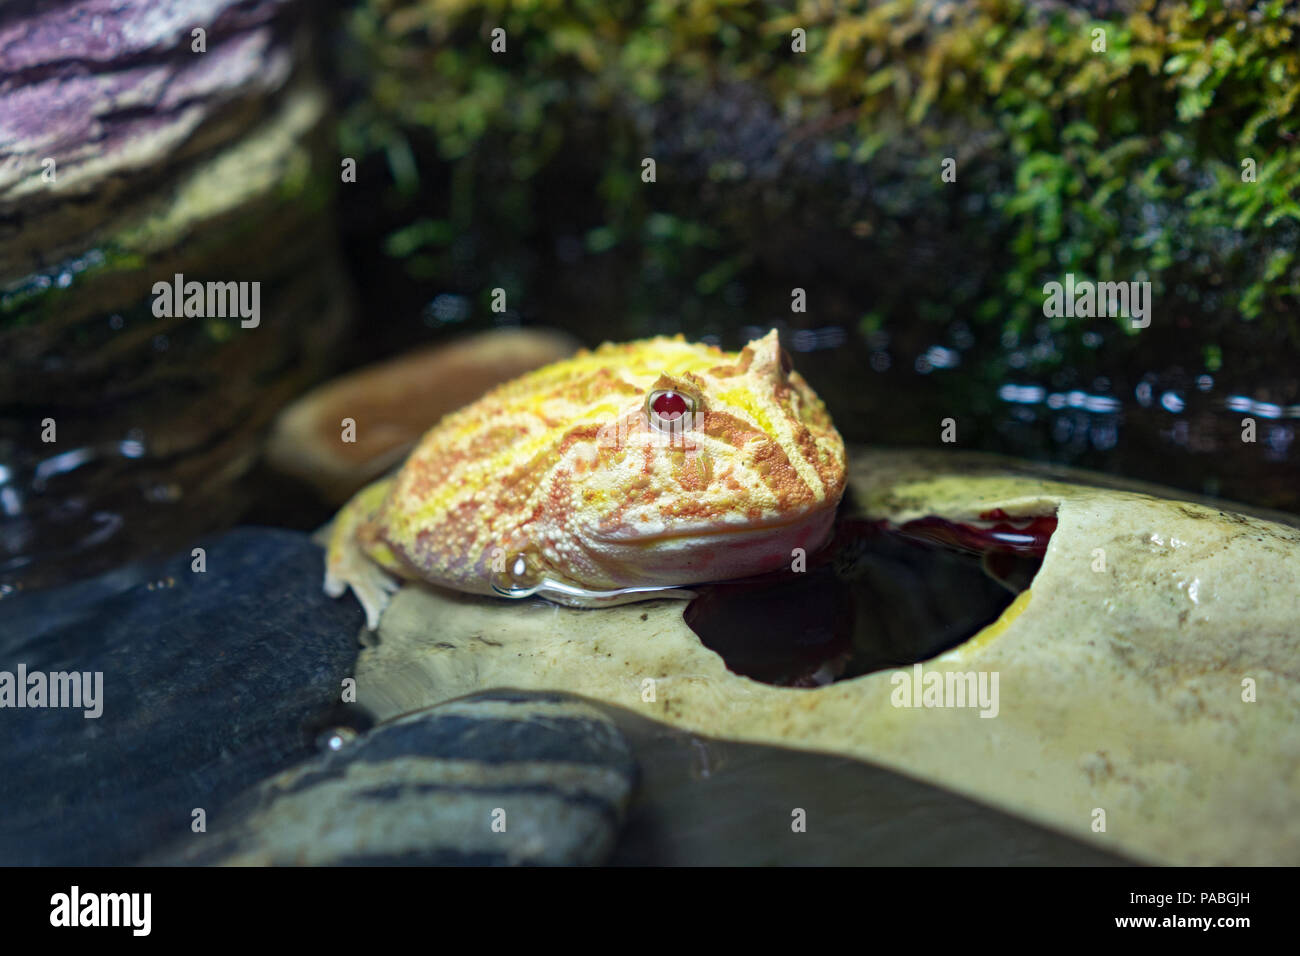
(767, 358)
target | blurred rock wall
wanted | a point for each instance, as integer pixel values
(138, 141)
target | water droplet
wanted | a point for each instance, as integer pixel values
(520, 573)
(335, 738)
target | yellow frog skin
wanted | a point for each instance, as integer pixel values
(604, 478)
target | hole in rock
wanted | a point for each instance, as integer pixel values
(878, 596)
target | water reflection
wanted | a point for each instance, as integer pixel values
(43, 521)
(1104, 431)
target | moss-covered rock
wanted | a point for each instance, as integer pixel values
(1114, 161)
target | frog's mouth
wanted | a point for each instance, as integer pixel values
(684, 529)
(693, 553)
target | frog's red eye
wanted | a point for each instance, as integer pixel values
(670, 409)
(669, 405)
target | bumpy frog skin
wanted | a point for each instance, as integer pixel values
(604, 478)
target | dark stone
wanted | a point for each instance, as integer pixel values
(701, 801)
(427, 789)
(211, 682)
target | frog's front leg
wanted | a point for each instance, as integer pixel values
(348, 564)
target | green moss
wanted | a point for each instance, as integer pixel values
(1121, 164)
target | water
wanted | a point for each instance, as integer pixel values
(877, 597)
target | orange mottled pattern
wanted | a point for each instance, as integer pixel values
(566, 468)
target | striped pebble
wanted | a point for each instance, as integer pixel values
(500, 778)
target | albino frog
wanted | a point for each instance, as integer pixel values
(607, 477)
